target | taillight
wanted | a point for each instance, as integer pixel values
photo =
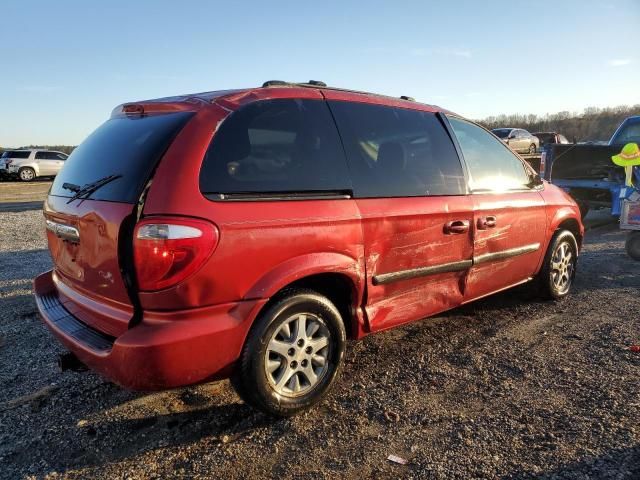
(168, 250)
(543, 162)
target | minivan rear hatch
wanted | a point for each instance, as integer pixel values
(90, 236)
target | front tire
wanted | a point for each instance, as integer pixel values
(27, 174)
(559, 268)
(292, 355)
(632, 245)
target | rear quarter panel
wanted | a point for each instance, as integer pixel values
(263, 246)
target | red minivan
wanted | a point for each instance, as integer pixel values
(249, 233)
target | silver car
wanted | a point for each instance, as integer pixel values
(27, 165)
(518, 139)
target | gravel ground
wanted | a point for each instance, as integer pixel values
(507, 387)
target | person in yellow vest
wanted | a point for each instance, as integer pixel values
(628, 158)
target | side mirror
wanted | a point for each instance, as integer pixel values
(536, 180)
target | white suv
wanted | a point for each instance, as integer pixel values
(29, 164)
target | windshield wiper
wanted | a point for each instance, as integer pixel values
(71, 186)
(89, 188)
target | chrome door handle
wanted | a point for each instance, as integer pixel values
(487, 222)
(456, 227)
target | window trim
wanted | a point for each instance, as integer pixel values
(452, 136)
(280, 196)
(525, 165)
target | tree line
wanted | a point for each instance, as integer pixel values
(593, 124)
(58, 148)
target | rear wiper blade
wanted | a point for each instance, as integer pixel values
(72, 186)
(89, 188)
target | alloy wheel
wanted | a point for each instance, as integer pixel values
(26, 174)
(297, 355)
(562, 267)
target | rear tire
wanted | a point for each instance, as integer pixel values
(632, 245)
(27, 174)
(532, 149)
(559, 267)
(292, 355)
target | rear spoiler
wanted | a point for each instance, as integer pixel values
(156, 107)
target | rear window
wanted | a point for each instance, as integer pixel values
(283, 146)
(16, 154)
(50, 156)
(545, 138)
(126, 146)
(629, 132)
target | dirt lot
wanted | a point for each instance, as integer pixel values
(507, 387)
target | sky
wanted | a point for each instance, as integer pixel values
(64, 65)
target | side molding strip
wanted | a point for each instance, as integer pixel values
(385, 278)
(512, 252)
(391, 277)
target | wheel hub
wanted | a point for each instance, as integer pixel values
(297, 355)
(562, 266)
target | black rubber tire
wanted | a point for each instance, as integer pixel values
(249, 379)
(545, 286)
(27, 169)
(532, 149)
(632, 245)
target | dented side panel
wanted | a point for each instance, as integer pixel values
(408, 235)
(508, 249)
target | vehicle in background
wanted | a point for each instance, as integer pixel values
(303, 215)
(3, 168)
(594, 142)
(627, 132)
(518, 139)
(27, 165)
(550, 137)
(586, 171)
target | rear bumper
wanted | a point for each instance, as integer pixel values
(165, 350)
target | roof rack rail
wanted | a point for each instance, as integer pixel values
(319, 84)
(274, 83)
(280, 83)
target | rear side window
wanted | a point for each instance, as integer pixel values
(492, 165)
(396, 152)
(50, 156)
(16, 154)
(284, 146)
(126, 146)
